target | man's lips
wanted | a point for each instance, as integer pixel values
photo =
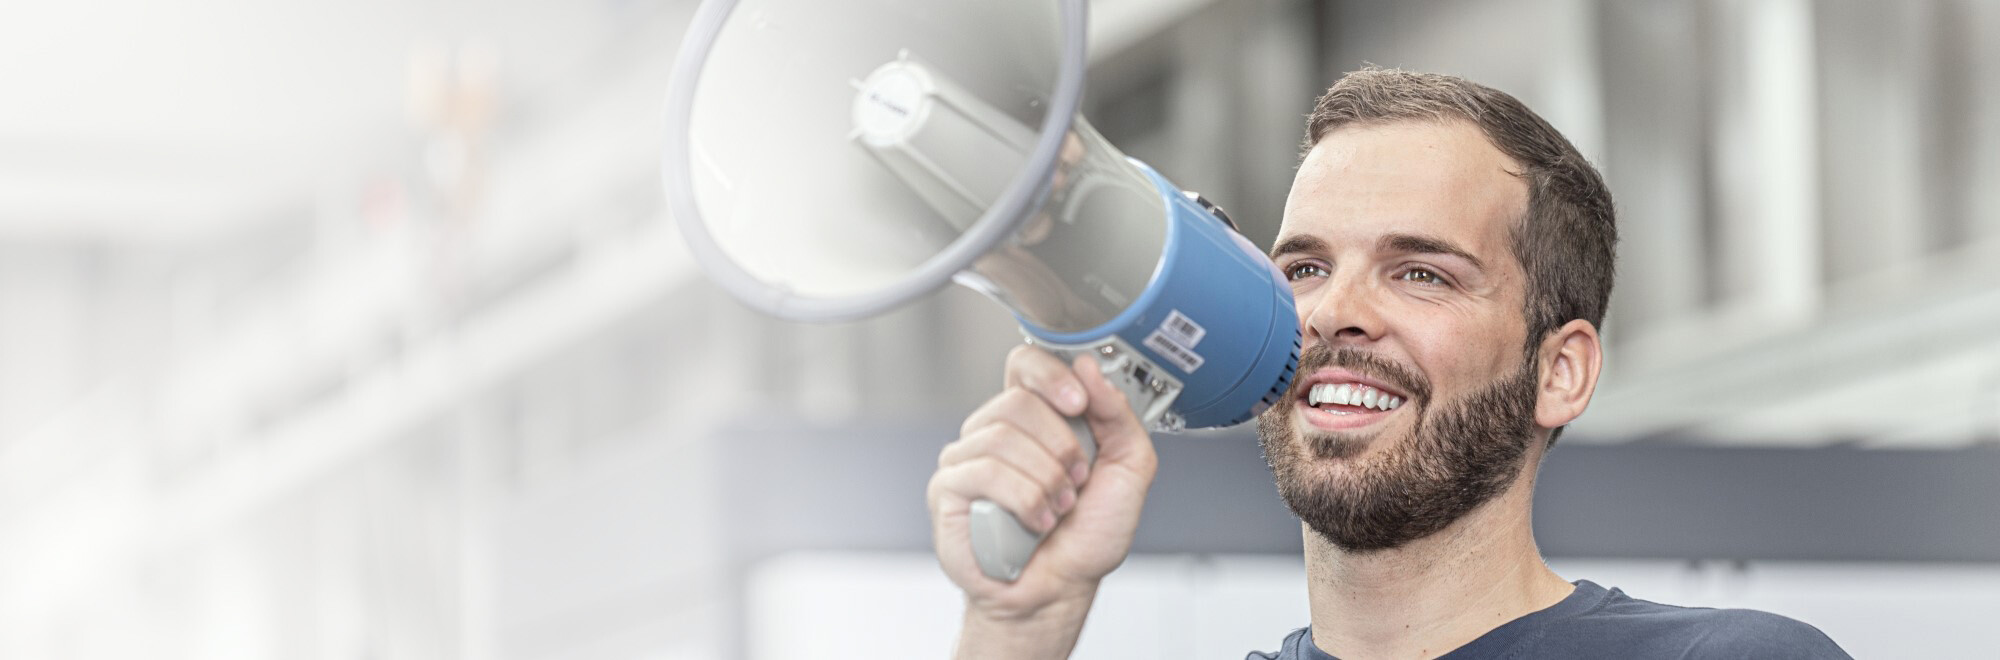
(1336, 417)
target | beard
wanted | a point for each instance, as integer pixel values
(1458, 455)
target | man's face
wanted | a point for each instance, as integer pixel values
(1410, 301)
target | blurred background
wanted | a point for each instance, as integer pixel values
(357, 330)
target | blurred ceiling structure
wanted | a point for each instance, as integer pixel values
(144, 121)
(148, 122)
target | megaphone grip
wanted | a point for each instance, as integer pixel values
(1001, 545)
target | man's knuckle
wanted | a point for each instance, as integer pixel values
(1146, 462)
(1018, 397)
(1004, 431)
(1053, 477)
(1019, 352)
(1065, 443)
(1028, 496)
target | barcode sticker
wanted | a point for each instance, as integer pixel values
(1182, 330)
(1186, 359)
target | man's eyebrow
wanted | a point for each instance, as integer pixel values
(1411, 243)
(1299, 243)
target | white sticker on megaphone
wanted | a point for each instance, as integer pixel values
(1182, 330)
(1180, 356)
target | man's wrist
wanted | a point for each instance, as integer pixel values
(995, 630)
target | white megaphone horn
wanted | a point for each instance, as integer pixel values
(832, 160)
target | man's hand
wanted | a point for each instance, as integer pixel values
(1017, 450)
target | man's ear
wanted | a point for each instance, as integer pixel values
(1570, 360)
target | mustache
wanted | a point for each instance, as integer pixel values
(1366, 363)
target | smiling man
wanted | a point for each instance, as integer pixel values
(1451, 256)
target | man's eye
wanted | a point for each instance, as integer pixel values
(1423, 276)
(1304, 269)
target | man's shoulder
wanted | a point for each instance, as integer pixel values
(1648, 629)
(1595, 622)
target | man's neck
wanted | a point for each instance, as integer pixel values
(1436, 593)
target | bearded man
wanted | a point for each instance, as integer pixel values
(1451, 256)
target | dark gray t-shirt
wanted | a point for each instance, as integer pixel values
(1594, 622)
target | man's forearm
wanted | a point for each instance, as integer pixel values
(1049, 632)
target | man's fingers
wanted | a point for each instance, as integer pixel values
(989, 478)
(1042, 373)
(1027, 411)
(1027, 456)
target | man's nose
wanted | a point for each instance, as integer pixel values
(1343, 311)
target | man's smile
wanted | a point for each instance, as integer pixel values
(1337, 400)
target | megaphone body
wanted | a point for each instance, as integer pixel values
(936, 174)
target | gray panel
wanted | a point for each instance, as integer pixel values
(793, 486)
(1830, 503)
(799, 486)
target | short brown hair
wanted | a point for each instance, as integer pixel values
(1566, 242)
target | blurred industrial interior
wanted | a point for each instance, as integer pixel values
(357, 330)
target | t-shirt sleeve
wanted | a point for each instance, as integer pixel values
(1754, 634)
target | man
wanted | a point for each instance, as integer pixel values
(1450, 252)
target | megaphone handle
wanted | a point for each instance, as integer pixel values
(1000, 543)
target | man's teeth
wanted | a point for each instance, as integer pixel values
(1352, 395)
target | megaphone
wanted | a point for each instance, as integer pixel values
(832, 160)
